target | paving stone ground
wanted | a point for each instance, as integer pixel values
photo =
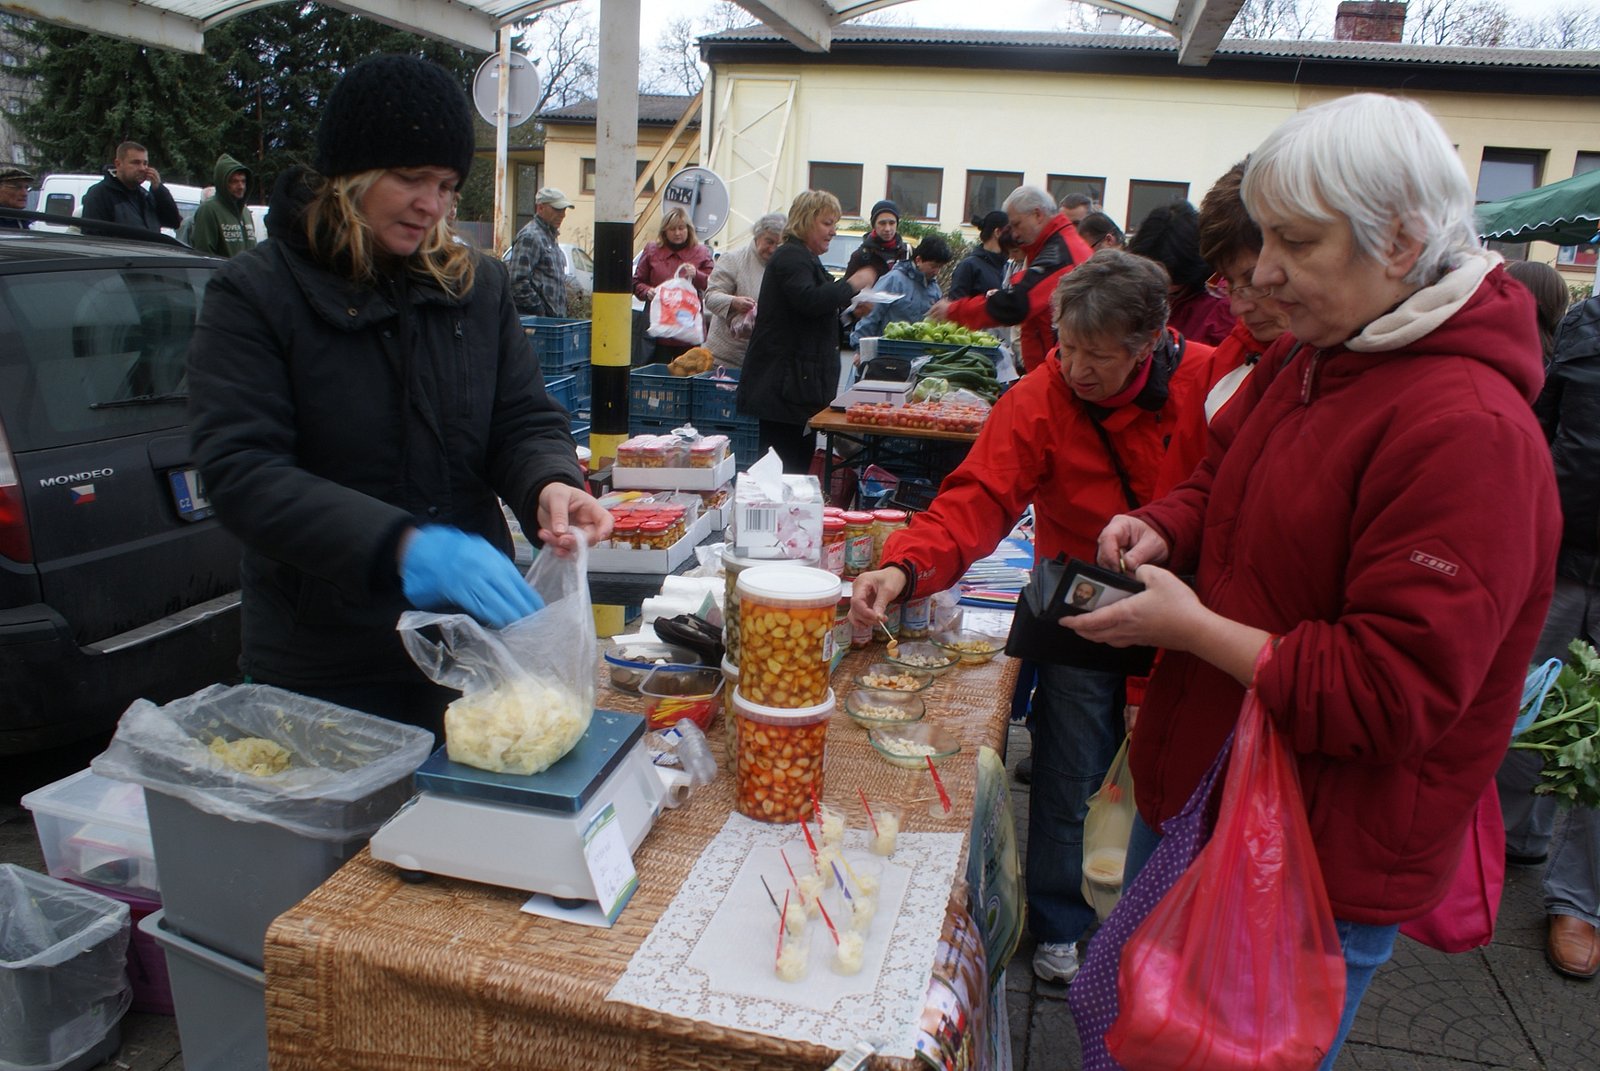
(1497, 1009)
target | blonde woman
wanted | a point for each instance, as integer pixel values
(792, 366)
(362, 397)
(676, 251)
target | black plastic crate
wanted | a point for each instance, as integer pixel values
(560, 344)
(564, 389)
(716, 398)
(655, 395)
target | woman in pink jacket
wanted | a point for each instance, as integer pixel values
(1376, 506)
(675, 251)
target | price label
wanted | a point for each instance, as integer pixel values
(605, 851)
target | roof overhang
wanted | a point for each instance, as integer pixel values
(181, 25)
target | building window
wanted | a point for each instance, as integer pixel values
(987, 190)
(1581, 256)
(1504, 173)
(586, 182)
(841, 180)
(1146, 195)
(916, 191)
(1061, 185)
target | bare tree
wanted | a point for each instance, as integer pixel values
(672, 65)
(1471, 23)
(564, 42)
(1567, 28)
(1273, 20)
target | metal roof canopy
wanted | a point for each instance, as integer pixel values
(181, 25)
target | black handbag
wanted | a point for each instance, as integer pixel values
(1036, 635)
(887, 369)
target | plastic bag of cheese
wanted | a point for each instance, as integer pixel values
(527, 690)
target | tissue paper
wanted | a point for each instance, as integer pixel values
(777, 514)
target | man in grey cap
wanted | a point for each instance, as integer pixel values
(538, 268)
(14, 183)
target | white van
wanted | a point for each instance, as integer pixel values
(62, 195)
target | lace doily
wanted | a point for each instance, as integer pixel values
(710, 956)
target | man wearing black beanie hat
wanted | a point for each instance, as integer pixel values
(882, 247)
(362, 398)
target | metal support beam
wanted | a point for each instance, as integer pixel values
(131, 22)
(502, 146)
(803, 23)
(1199, 26)
(456, 24)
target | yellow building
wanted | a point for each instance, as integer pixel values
(569, 156)
(947, 122)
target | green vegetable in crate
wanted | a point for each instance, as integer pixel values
(963, 369)
(930, 387)
(1569, 738)
(938, 331)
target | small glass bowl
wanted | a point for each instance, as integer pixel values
(921, 677)
(910, 706)
(904, 656)
(894, 743)
(953, 642)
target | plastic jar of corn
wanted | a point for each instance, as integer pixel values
(785, 634)
(780, 757)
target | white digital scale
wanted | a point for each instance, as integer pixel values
(526, 832)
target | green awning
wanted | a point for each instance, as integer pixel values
(1565, 212)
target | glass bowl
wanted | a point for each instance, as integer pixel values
(969, 644)
(631, 663)
(672, 693)
(913, 655)
(908, 707)
(911, 746)
(907, 679)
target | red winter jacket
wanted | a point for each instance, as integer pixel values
(1238, 353)
(1026, 299)
(661, 262)
(1392, 515)
(1039, 446)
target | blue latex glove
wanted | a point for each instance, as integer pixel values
(448, 569)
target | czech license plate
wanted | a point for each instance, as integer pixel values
(189, 494)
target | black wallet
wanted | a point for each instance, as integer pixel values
(1059, 588)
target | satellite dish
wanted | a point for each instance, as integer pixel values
(703, 195)
(522, 92)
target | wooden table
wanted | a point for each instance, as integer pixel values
(872, 438)
(369, 972)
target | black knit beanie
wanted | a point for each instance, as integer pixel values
(880, 208)
(395, 111)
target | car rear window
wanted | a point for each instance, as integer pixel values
(95, 354)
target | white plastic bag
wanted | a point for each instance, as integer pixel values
(675, 313)
(527, 689)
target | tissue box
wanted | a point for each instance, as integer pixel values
(877, 390)
(788, 525)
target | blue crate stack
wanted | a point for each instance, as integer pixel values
(562, 347)
(656, 397)
(716, 412)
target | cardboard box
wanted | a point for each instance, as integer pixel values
(877, 390)
(674, 479)
(608, 560)
(790, 528)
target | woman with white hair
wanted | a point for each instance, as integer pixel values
(1376, 515)
(735, 284)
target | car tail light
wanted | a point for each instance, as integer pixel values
(14, 541)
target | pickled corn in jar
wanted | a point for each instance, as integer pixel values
(857, 543)
(884, 522)
(732, 565)
(833, 545)
(786, 617)
(779, 759)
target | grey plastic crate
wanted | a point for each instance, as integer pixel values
(220, 1003)
(223, 882)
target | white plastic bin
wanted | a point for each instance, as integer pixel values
(63, 978)
(220, 1003)
(95, 830)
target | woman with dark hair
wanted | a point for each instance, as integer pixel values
(1099, 231)
(984, 267)
(1550, 298)
(1170, 235)
(676, 252)
(362, 397)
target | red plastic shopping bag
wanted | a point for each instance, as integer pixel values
(1238, 968)
(1465, 918)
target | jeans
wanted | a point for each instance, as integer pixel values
(1365, 949)
(1077, 728)
(1572, 881)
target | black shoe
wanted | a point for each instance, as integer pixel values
(1024, 771)
(1519, 859)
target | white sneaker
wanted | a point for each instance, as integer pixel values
(1056, 963)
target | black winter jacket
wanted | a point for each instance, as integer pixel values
(327, 418)
(1569, 411)
(113, 202)
(874, 252)
(979, 272)
(791, 369)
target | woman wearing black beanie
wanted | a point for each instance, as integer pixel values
(362, 397)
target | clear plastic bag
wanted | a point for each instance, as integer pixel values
(743, 325)
(675, 313)
(1239, 967)
(338, 758)
(1106, 830)
(527, 689)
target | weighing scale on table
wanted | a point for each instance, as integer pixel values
(526, 832)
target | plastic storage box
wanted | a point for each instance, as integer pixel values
(147, 964)
(715, 398)
(63, 986)
(94, 830)
(220, 1003)
(564, 389)
(560, 344)
(657, 396)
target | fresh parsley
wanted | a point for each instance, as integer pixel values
(1568, 738)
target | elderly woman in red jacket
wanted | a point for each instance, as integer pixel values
(676, 251)
(1376, 507)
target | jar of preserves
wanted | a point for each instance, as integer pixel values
(833, 541)
(786, 634)
(915, 618)
(732, 565)
(857, 543)
(655, 535)
(884, 522)
(780, 751)
(625, 532)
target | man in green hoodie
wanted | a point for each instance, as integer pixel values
(222, 226)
